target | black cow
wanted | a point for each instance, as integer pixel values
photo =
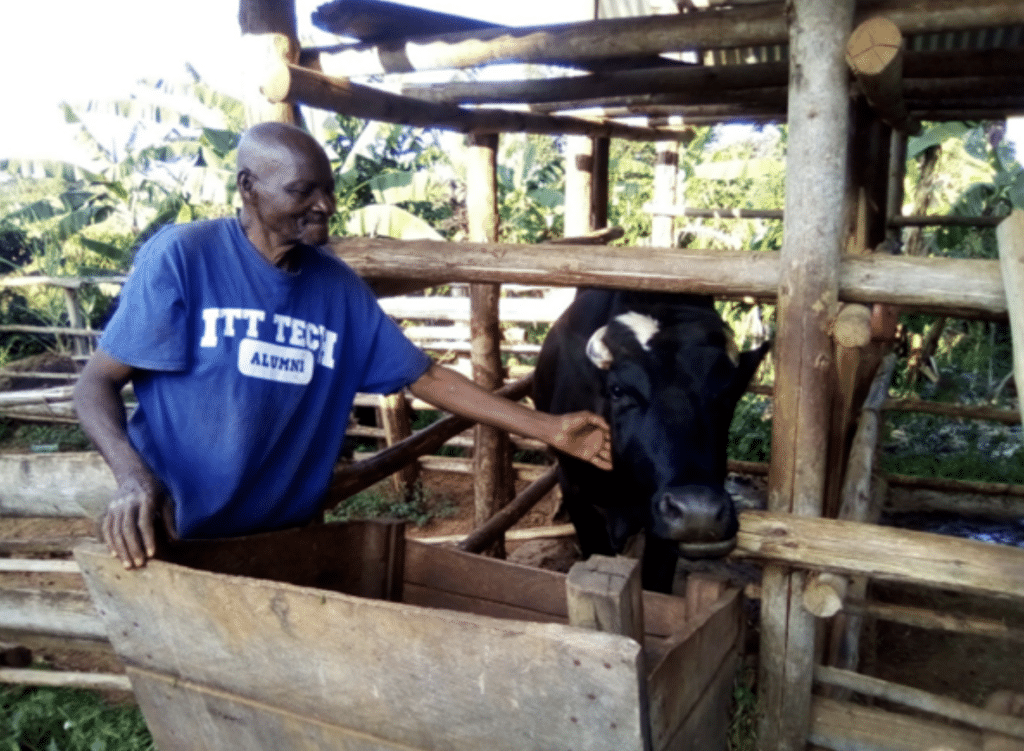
(662, 369)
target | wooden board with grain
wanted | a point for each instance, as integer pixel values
(221, 661)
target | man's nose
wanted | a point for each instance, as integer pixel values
(325, 202)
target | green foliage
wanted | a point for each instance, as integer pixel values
(631, 185)
(531, 189)
(742, 734)
(22, 436)
(48, 719)
(418, 506)
(750, 433)
(931, 446)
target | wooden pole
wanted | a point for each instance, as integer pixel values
(854, 548)
(579, 178)
(299, 85)
(484, 535)
(394, 416)
(666, 163)
(921, 284)
(599, 186)
(815, 211)
(1010, 237)
(351, 479)
(269, 39)
(761, 24)
(493, 487)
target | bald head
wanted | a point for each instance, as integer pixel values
(287, 189)
(273, 142)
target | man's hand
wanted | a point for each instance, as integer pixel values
(129, 525)
(585, 436)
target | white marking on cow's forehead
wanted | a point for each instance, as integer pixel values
(643, 326)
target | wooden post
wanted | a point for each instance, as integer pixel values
(665, 171)
(599, 182)
(1010, 237)
(394, 418)
(269, 39)
(492, 456)
(816, 172)
(604, 594)
(81, 345)
(579, 179)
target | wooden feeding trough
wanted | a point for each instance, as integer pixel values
(352, 637)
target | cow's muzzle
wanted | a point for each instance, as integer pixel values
(701, 519)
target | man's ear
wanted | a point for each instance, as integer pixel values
(246, 182)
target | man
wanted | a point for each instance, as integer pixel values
(246, 343)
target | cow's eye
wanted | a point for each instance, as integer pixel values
(617, 392)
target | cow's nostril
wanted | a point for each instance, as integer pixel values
(670, 507)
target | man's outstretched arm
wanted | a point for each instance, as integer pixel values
(580, 434)
(127, 525)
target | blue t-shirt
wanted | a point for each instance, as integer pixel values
(248, 373)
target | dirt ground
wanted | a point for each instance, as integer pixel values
(968, 668)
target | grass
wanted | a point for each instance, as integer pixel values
(382, 501)
(23, 436)
(58, 719)
(742, 733)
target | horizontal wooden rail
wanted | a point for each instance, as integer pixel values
(920, 700)
(882, 553)
(924, 284)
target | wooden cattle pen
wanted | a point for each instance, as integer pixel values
(851, 79)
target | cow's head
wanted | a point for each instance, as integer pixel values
(672, 382)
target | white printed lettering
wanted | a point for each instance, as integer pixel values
(330, 338)
(272, 362)
(210, 316)
(254, 317)
(298, 333)
(282, 322)
(230, 316)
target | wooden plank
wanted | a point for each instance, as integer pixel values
(853, 548)
(604, 594)
(50, 612)
(707, 726)
(1010, 237)
(65, 679)
(64, 484)
(363, 558)
(452, 572)
(459, 681)
(183, 711)
(852, 727)
(692, 663)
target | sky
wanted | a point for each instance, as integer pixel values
(73, 50)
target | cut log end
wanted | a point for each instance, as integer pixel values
(873, 46)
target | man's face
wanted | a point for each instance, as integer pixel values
(294, 189)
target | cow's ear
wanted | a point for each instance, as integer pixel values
(598, 351)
